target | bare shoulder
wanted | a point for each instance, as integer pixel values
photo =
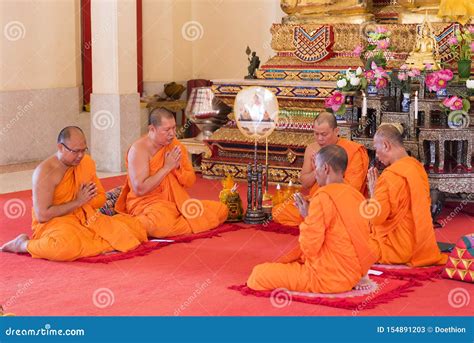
(48, 172)
(140, 147)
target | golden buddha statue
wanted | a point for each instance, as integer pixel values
(327, 11)
(426, 49)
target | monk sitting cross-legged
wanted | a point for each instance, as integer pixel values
(158, 172)
(66, 196)
(326, 133)
(333, 254)
(402, 228)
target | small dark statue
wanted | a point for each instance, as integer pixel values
(254, 63)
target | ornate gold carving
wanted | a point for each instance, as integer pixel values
(229, 134)
(291, 157)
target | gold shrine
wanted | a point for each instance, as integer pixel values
(314, 44)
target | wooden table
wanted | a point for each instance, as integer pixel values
(440, 135)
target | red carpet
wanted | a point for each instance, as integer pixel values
(384, 290)
(187, 279)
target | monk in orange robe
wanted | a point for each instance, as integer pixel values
(334, 254)
(399, 208)
(158, 172)
(66, 197)
(326, 133)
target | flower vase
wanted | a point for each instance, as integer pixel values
(464, 69)
(441, 93)
(406, 102)
(372, 90)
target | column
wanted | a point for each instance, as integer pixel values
(115, 103)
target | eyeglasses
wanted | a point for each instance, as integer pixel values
(78, 151)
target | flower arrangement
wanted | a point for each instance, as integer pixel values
(405, 76)
(455, 103)
(462, 43)
(438, 80)
(377, 75)
(336, 103)
(352, 80)
(378, 44)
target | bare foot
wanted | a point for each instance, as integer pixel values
(363, 284)
(18, 245)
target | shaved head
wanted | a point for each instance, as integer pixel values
(391, 133)
(326, 117)
(67, 132)
(335, 156)
(157, 115)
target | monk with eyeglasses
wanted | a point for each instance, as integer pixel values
(67, 195)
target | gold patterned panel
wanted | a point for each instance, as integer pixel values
(276, 138)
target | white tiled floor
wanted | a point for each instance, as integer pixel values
(21, 180)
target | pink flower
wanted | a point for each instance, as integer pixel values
(471, 28)
(453, 40)
(403, 67)
(428, 66)
(457, 105)
(369, 75)
(431, 80)
(448, 102)
(358, 50)
(445, 74)
(373, 65)
(402, 76)
(335, 101)
(381, 83)
(383, 44)
(381, 29)
(414, 72)
(380, 72)
(472, 46)
(440, 84)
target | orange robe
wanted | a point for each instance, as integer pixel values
(334, 247)
(402, 229)
(356, 175)
(84, 232)
(168, 210)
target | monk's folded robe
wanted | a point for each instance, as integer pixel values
(356, 175)
(168, 210)
(334, 252)
(85, 232)
(402, 229)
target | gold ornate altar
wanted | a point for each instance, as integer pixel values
(313, 45)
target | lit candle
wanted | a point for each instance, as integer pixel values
(416, 107)
(364, 105)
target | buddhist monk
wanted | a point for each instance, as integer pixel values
(158, 173)
(66, 197)
(334, 254)
(402, 228)
(326, 133)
